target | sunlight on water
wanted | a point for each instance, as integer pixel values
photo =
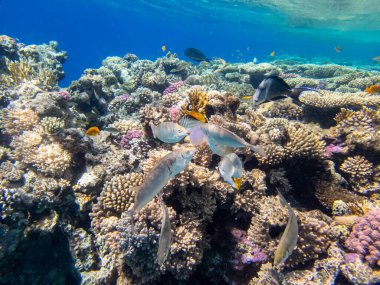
(324, 18)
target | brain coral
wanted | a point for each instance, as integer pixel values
(365, 238)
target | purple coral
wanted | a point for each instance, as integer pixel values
(65, 95)
(247, 252)
(131, 134)
(332, 148)
(365, 238)
(173, 87)
(123, 97)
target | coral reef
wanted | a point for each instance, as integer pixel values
(68, 193)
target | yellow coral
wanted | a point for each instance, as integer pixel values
(197, 101)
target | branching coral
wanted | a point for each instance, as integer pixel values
(197, 101)
(17, 120)
(365, 238)
(362, 175)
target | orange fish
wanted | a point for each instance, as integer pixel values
(373, 89)
(238, 182)
(273, 53)
(93, 131)
(338, 49)
(198, 116)
(247, 97)
(376, 58)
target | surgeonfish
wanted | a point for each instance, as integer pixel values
(289, 238)
(274, 87)
(195, 54)
(168, 132)
(221, 136)
(231, 169)
(165, 236)
(166, 168)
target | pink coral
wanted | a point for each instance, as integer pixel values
(131, 134)
(65, 95)
(332, 148)
(173, 87)
(174, 113)
(365, 238)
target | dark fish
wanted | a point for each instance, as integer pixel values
(274, 87)
(195, 54)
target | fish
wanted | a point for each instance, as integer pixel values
(165, 169)
(338, 49)
(165, 236)
(289, 238)
(195, 54)
(376, 58)
(219, 149)
(274, 87)
(248, 97)
(231, 169)
(168, 132)
(163, 48)
(196, 115)
(112, 130)
(373, 89)
(273, 53)
(93, 131)
(221, 136)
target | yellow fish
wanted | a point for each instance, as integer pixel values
(273, 53)
(238, 182)
(196, 115)
(93, 131)
(246, 97)
(163, 48)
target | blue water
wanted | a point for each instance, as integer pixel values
(239, 30)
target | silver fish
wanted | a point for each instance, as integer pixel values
(289, 238)
(231, 169)
(165, 236)
(219, 149)
(221, 136)
(168, 132)
(166, 168)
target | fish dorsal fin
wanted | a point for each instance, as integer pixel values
(188, 122)
(279, 79)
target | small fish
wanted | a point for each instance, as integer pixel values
(165, 236)
(274, 87)
(376, 58)
(231, 169)
(196, 115)
(338, 49)
(166, 168)
(93, 131)
(373, 89)
(273, 53)
(255, 60)
(221, 136)
(195, 54)
(248, 97)
(289, 238)
(112, 130)
(168, 132)
(163, 48)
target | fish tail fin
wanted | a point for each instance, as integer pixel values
(296, 92)
(259, 149)
(153, 127)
